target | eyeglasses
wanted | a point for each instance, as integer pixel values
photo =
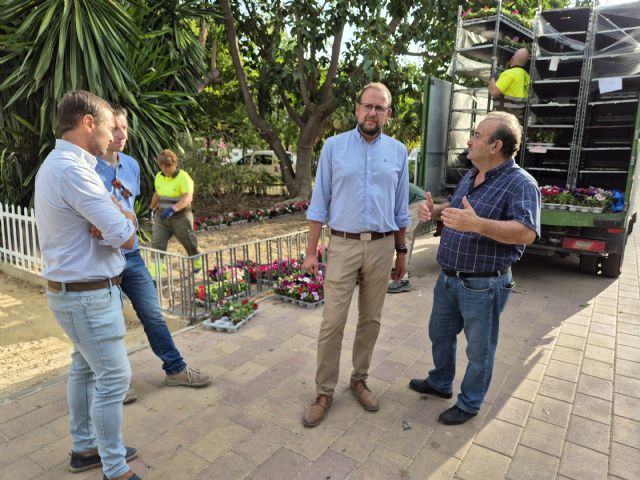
(367, 107)
(118, 186)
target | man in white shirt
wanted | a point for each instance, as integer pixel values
(83, 274)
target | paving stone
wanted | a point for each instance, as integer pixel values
(23, 469)
(432, 465)
(499, 436)
(28, 443)
(589, 433)
(481, 464)
(543, 436)
(551, 410)
(529, 464)
(388, 370)
(526, 390)
(557, 388)
(625, 462)
(569, 355)
(627, 386)
(572, 341)
(593, 408)
(573, 329)
(626, 431)
(35, 418)
(259, 446)
(512, 410)
(183, 466)
(596, 387)
(627, 368)
(629, 329)
(283, 464)
(602, 328)
(563, 370)
(389, 458)
(582, 463)
(330, 464)
(600, 340)
(601, 354)
(627, 339)
(228, 467)
(626, 406)
(628, 353)
(405, 441)
(313, 442)
(358, 440)
(597, 369)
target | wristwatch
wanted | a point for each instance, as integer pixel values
(401, 249)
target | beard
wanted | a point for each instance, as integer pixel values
(373, 131)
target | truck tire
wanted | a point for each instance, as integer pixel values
(589, 264)
(612, 264)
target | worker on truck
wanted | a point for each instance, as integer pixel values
(511, 89)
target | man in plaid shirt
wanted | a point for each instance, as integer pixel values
(493, 213)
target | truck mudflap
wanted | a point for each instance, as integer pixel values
(600, 249)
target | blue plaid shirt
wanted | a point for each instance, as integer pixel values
(507, 193)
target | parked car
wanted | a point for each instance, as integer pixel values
(265, 160)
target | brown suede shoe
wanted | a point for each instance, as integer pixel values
(366, 398)
(314, 413)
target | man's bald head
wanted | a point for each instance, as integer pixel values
(520, 58)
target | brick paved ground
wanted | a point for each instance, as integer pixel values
(564, 402)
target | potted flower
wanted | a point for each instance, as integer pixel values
(550, 195)
(230, 315)
(301, 289)
(565, 199)
(225, 284)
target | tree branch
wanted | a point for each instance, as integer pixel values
(287, 104)
(213, 75)
(304, 92)
(327, 87)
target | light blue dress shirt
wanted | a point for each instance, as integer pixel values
(128, 172)
(69, 198)
(360, 186)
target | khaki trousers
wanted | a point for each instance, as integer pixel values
(368, 262)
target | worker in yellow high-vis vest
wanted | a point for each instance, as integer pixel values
(172, 202)
(511, 90)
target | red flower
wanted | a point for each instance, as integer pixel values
(255, 306)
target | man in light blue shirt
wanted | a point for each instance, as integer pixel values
(83, 275)
(120, 174)
(361, 192)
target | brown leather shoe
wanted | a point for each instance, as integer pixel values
(314, 413)
(366, 398)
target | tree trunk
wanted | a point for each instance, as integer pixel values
(306, 141)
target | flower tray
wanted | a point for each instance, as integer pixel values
(202, 303)
(225, 325)
(300, 302)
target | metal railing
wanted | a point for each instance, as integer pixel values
(189, 286)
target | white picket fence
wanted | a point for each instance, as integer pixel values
(19, 239)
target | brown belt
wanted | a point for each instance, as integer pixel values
(83, 286)
(365, 236)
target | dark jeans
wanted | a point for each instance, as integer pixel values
(472, 305)
(138, 286)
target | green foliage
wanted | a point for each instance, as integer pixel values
(224, 183)
(49, 47)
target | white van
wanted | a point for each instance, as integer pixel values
(264, 160)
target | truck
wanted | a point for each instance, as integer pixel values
(581, 124)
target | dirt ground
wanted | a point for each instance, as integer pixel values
(33, 348)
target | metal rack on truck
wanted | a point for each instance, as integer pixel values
(484, 44)
(582, 127)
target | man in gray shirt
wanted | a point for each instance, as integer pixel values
(81, 231)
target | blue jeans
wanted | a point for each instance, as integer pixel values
(138, 286)
(472, 304)
(100, 371)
